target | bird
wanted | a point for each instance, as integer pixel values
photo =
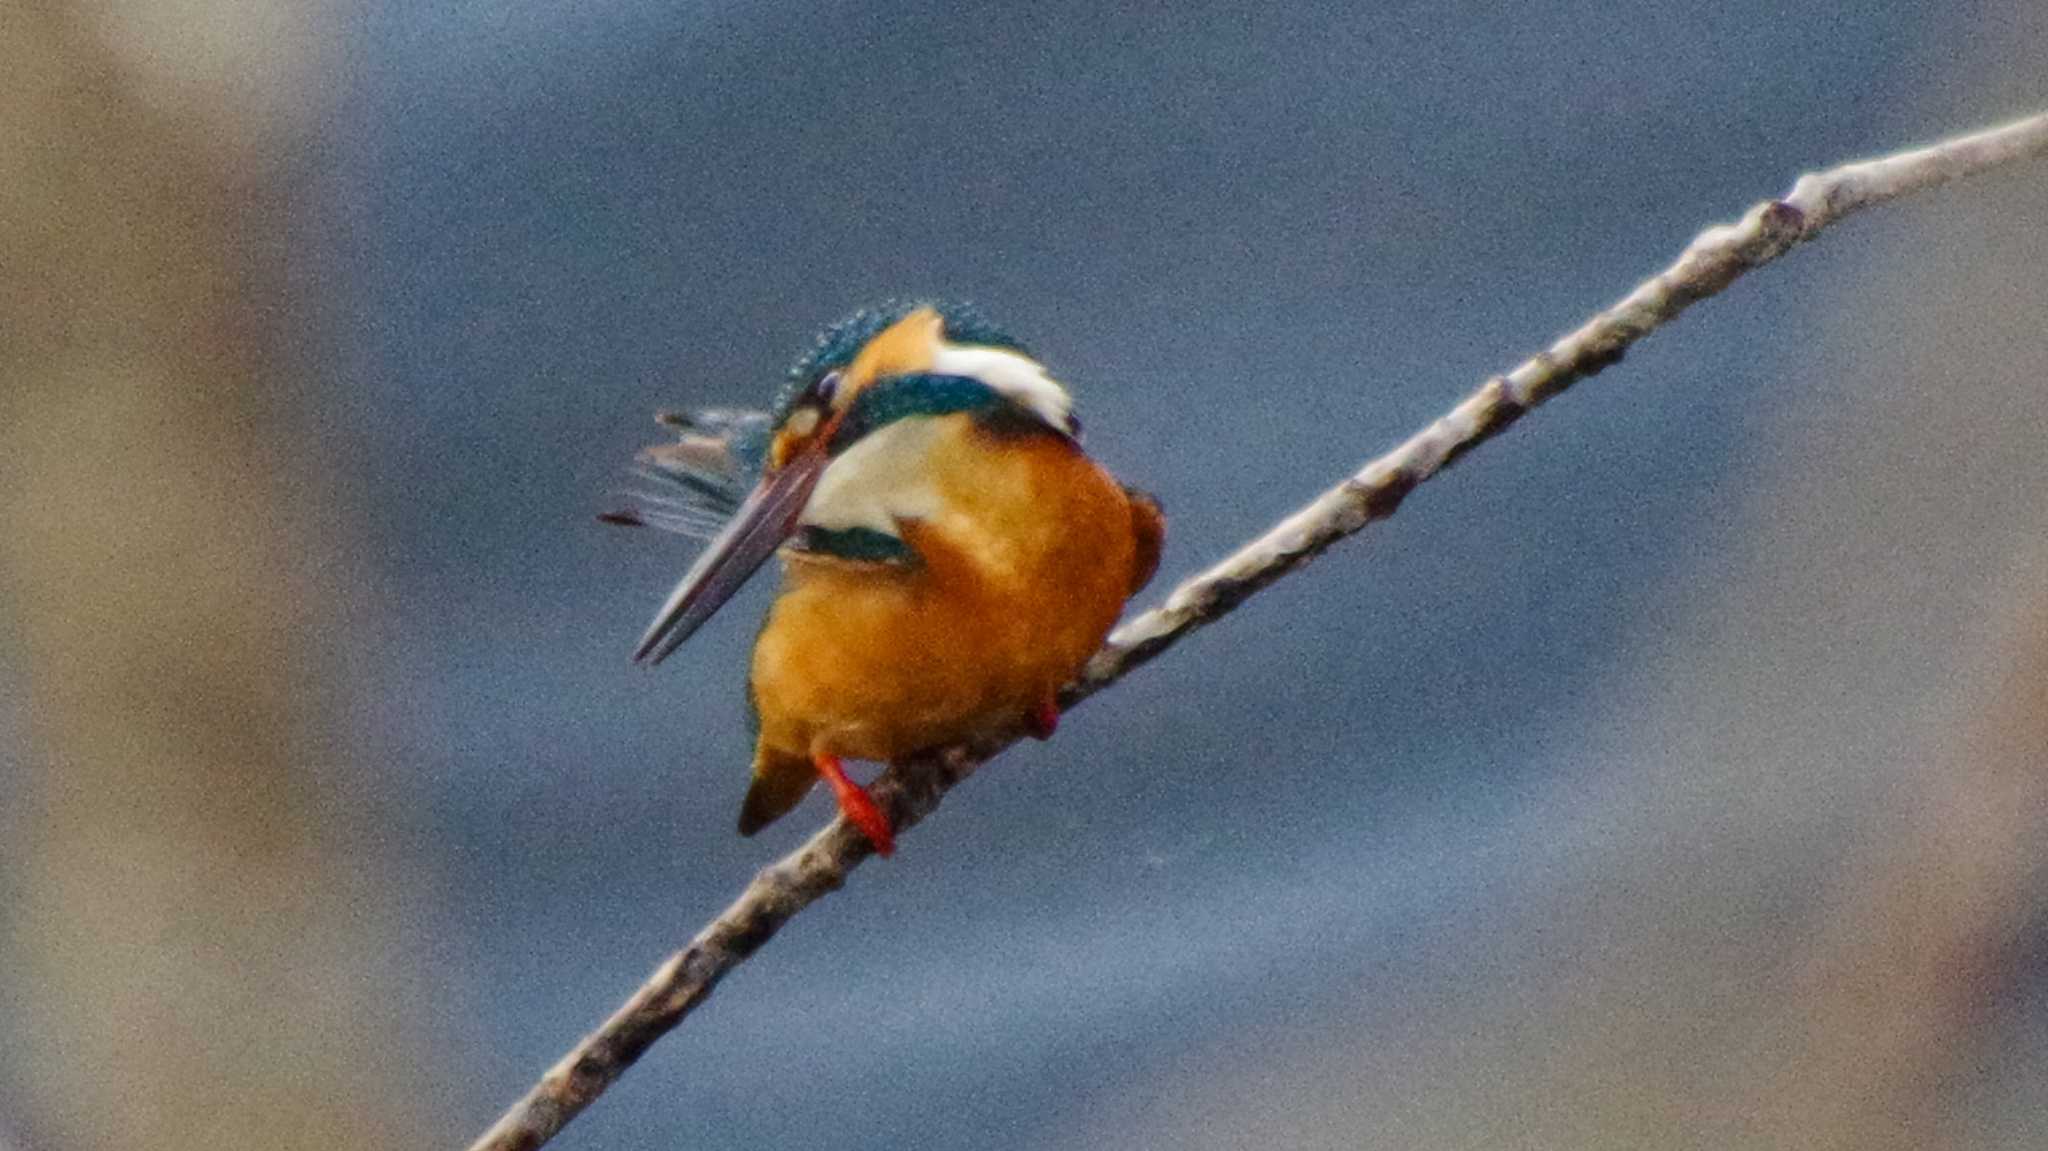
(951, 556)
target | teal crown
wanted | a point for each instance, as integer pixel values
(837, 346)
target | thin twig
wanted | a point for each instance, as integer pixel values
(911, 790)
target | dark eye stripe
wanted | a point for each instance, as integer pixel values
(855, 543)
(901, 397)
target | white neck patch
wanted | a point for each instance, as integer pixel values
(884, 476)
(881, 478)
(1019, 377)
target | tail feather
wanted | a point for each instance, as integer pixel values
(780, 783)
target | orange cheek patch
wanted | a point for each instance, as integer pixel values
(800, 430)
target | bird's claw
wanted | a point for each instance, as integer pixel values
(1043, 720)
(857, 805)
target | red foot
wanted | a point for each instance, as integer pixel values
(1043, 720)
(857, 805)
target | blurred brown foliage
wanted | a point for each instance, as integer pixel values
(196, 959)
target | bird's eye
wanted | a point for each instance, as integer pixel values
(827, 386)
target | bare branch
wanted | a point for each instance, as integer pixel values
(911, 790)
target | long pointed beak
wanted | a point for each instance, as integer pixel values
(763, 522)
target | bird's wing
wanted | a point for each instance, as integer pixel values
(1148, 531)
(697, 481)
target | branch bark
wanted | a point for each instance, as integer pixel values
(911, 790)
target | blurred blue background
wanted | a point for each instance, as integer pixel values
(1528, 819)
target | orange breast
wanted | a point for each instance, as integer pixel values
(1023, 573)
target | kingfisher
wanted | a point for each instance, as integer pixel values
(950, 555)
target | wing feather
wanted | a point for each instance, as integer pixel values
(699, 479)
